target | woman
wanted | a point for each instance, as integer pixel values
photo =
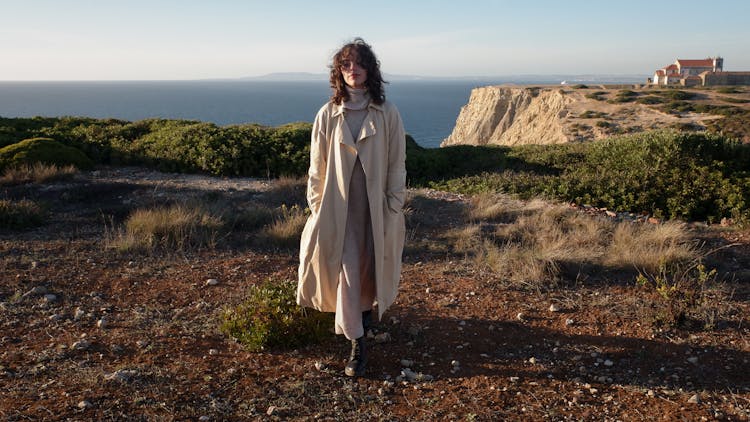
(350, 252)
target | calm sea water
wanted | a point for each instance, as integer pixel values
(429, 109)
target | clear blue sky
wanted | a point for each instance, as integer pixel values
(186, 39)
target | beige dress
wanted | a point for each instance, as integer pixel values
(356, 288)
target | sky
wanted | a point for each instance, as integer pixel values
(206, 39)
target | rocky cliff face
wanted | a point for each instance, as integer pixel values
(511, 116)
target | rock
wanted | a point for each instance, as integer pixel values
(320, 366)
(55, 317)
(50, 298)
(695, 399)
(204, 418)
(569, 322)
(382, 338)
(213, 352)
(554, 308)
(520, 316)
(455, 363)
(271, 410)
(514, 379)
(102, 323)
(122, 375)
(608, 363)
(142, 344)
(85, 404)
(81, 345)
(37, 291)
(650, 393)
(79, 313)
(407, 363)
(408, 374)
(532, 360)
(427, 290)
(693, 360)
(212, 282)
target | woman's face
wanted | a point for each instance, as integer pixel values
(354, 74)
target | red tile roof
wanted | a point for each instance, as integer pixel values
(671, 67)
(696, 63)
(660, 72)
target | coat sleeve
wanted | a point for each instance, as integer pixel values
(318, 158)
(396, 173)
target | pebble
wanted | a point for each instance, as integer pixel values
(85, 404)
(695, 399)
(49, 297)
(608, 363)
(427, 290)
(514, 379)
(122, 375)
(141, 344)
(455, 363)
(650, 393)
(271, 410)
(38, 291)
(102, 323)
(212, 282)
(693, 360)
(204, 418)
(213, 352)
(81, 345)
(554, 308)
(382, 338)
(532, 360)
(55, 317)
(78, 314)
(520, 316)
(407, 363)
(569, 322)
(320, 366)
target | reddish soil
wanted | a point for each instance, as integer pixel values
(597, 357)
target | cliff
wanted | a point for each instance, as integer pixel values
(513, 115)
(510, 116)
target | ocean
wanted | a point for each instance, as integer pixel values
(428, 108)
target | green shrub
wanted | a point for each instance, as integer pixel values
(42, 150)
(676, 94)
(649, 99)
(271, 318)
(20, 214)
(596, 95)
(697, 176)
(729, 90)
(580, 86)
(735, 100)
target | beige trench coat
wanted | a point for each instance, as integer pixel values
(381, 147)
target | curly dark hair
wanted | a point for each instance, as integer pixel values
(368, 61)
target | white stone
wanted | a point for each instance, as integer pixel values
(554, 308)
(693, 360)
(532, 360)
(85, 404)
(382, 338)
(608, 363)
(213, 352)
(520, 316)
(212, 282)
(81, 345)
(695, 399)
(569, 322)
(204, 418)
(320, 366)
(79, 313)
(122, 375)
(455, 363)
(102, 323)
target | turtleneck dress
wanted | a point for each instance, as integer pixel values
(356, 288)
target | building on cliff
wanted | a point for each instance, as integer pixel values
(704, 72)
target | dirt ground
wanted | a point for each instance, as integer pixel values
(88, 333)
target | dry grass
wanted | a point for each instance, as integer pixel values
(20, 214)
(538, 244)
(286, 228)
(650, 247)
(36, 173)
(176, 227)
(287, 190)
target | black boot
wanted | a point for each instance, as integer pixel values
(357, 359)
(366, 320)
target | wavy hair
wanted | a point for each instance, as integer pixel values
(368, 61)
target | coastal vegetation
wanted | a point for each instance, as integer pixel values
(668, 174)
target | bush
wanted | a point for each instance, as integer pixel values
(20, 214)
(695, 176)
(42, 150)
(286, 228)
(271, 318)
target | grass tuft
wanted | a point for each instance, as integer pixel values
(36, 173)
(20, 214)
(286, 228)
(176, 227)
